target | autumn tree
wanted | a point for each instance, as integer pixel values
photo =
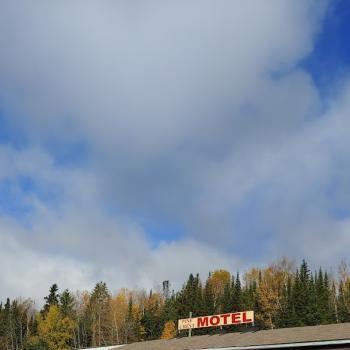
(169, 331)
(55, 331)
(83, 333)
(343, 297)
(270, 286)
(279, 294)
(100, 315)
(219, 280)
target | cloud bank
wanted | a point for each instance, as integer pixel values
(145, 140)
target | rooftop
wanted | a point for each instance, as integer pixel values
(316, 336)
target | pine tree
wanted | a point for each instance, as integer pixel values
(169, 311)
(286, 316)
(323, 294)
(226, 300)
(303, 296)
(151, 319)
(2, 327)
(133, 327)
(313, 313)
(190, 299)
(51, 299)
(250, 301)
(7, 337)
(237, 294)
(100, 313)
(208, 299)
(66, 304)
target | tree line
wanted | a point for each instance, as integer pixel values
(280, 294)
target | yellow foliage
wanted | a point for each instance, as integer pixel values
(270, 282)
(219, 279)
(33, 342)
(119, 307)
(169, 331)
(56, 332)
(154, 301)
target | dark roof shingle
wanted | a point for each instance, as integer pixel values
(254, 338)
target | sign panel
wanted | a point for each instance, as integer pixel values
(217, 320)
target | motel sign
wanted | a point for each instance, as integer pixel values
(234, 318)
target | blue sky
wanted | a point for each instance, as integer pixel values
(329, 60)
(141, 141)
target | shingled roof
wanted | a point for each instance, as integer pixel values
(312, 335)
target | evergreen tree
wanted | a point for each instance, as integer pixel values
(99, 307)
(190, 298)
(286, 317)
(313, 313)
(208, 299)
(7, 330)
(133, 328)
(323, 294)
(169, 312)
(303, 295)
(66, 304)
(236, 294)
(250, 301)
(226, 300)
(51, 299)
(152, 321)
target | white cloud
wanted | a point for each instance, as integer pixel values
(75, 244)
(29, 273)
(76, 250)
(194, 114)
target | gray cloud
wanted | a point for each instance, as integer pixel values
(193, 113)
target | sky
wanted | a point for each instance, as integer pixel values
(141, 141)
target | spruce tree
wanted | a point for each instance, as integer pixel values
(208, 305)
(170, 310)
(66, 304)
(189, 299)
(237, 294)
(286, 317)
(324, 302)
(303, 296)
(151, 320)
(226, 300)
(51, 299)
(208, 299)
(313, 313)
(133, 327)
(99, 308)
(7, 339)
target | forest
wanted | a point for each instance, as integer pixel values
(281, 294)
